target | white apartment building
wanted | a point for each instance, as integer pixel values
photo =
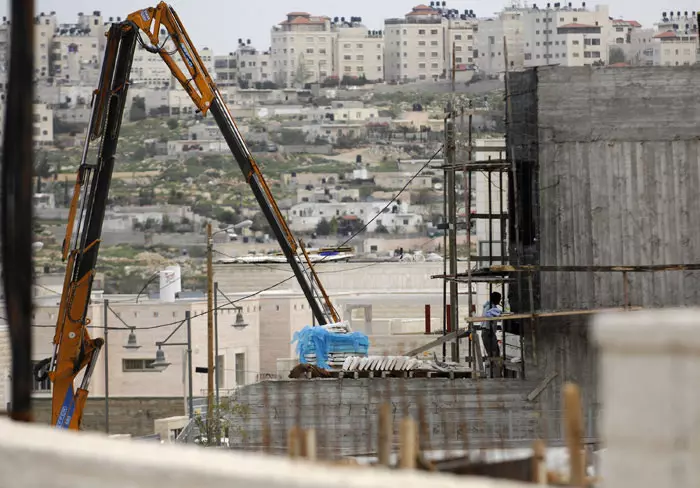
(44, 28)
(360, 53)
(226, 69)
(420, 45)
(302, 49)
(305, 217)
(43, 124)
(149, 71)
(489, 41)
(676, 43)
(566, 36)
(253, 66)
(415, 46)
(640, 50)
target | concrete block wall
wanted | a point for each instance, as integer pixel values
(134, 416)
(33, 456)
(344, 412)
(650, 369)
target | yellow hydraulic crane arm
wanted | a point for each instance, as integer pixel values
(161, 24)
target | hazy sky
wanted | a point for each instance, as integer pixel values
(219, 23)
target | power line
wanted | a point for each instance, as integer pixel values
(251, 295)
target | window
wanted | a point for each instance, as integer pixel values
(528, 56)
(360, 46)
(434, 54)
(421, 65)
(421, 54)
(240, 369)
(587, 54)
(222, 372)
(40, 386)
(576, 55)
(458, 37)
(421, 43)
(458, 48)
(619, 29)
(575, 43)
(433, 31)
(595, 54)
(347, 46)
(310, 51)
(348, 69)
(360, 57)
(137, 365)
(459, 60)
(421, 32)
(434, 66)
(320, 51)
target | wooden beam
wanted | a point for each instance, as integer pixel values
(541, 387)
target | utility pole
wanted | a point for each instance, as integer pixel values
(216, 357)
(210, 331)
(106, 349)
(190, 400)
(450, 150)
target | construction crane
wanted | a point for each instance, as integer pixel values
(74, 350)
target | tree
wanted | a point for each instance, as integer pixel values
(381, 229)
(616, 55)
(138, 109)
(301, 75)
(173, 124)
(323, 228)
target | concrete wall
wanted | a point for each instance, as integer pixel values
(344, 412)
(133, 416)
(82, 460)
(608, 174)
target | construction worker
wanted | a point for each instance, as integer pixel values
(492, 308)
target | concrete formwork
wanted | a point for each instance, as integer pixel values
(609, 171)
(455, 414)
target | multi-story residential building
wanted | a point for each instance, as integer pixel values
(305, 217)
(489, 41)
(676, 43)
(149, 71)
(302, 49)
(639, 51)
(567, 36)
(226, 69)
(43, 124)
(44, 27)
(253, 66)
(415, 46)
(419, 46)
(360, 53)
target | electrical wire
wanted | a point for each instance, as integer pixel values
(279, 283)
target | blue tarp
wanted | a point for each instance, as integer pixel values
(321, 342)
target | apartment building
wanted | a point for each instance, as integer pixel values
(253, 66)
(44, 28)
(420, 45)
(43, 124)
(360, 53)
(415, 46)
(676, 43)
(567, 36)
(302, 49)
(305, 217)
(489, 41)
(226, 69)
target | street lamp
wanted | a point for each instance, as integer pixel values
(161, 364)
(210, 315)
(239, 324)
(131, 341)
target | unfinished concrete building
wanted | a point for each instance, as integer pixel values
(608, 175)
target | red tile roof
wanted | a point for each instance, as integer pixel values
(633, 23)
(576, 26)
(666, 35)
(422, 10)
